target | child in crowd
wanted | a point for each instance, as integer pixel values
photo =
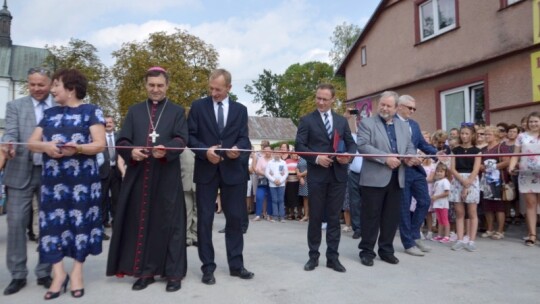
(276, 172)
(429, 167)
(464, 190)
(439, 199)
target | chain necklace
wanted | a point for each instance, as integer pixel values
(154, 135)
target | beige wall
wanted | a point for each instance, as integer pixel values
(393, 59)
(508, 82)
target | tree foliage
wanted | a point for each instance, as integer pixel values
(82, 55)
(343, 37)
(292, 94)
(265, 89)
(187, 58)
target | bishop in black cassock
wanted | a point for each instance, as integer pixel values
(149, 233)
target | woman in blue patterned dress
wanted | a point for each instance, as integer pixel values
(68, 137)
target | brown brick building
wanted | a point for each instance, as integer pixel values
(462, 60)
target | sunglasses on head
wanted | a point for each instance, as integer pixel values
(42, 71)
(467, 124)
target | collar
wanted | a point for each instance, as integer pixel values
(225, 102)
(390, 122)
(401, 118)
(322, 113)
(159, 102)
(48, 101)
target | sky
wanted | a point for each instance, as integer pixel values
(249, 36)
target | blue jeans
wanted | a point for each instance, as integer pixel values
(278, 204)
(261, 195)
(355, 199)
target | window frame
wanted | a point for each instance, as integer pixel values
(468, 105)
(363, 55)
(437, 33)
(505, 3)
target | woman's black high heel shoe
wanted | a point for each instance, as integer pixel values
(77, 293)
(53, 295)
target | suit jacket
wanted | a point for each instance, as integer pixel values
(420, 143)
(105, 168)
(20, 124)
(372, 139)
(204, 133)
(312, 137)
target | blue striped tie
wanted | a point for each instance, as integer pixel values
(327, 125)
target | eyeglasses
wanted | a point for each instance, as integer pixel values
(502, 130)
(412, 109)
(42, 71)
(467, 124)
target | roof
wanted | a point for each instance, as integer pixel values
(271, 128)
(378, 11)
(23, 58)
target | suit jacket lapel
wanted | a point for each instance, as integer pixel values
(382, 130)
(29, 106)
(318, 118)
(209, 105)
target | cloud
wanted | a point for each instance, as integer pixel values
(284, 33)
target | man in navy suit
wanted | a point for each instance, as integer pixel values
(415, 184)
(327, 179)
(216, 122)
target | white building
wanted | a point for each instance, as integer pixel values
(15, 61)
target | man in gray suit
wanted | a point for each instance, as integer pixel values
(23, 176)
(382, 178)
(187, 159)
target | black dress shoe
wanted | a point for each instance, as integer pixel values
(222, 230)
(14, 286)
(195, 243)
(106, 237)
(45, 281)
(242, 273)
(311, 264)
(356, 235)
(208, 278)
(336, 265)
(32, 237)
(367, 261)
(142, 283)
(391, 259)
(173, 285)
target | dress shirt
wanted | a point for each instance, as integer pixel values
(225, 103)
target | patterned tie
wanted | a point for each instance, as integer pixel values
(220, 119)
(327, 125)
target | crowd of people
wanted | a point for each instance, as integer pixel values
(159, 196)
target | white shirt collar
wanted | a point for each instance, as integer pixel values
(48, 101)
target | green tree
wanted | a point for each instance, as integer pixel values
(292, 94)
(343, 37)
(82, 55)
(187, 58)
(266, 91)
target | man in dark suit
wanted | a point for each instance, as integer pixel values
(415, 184)
(382, 178)
(216, 122)
(317, 133)
(23, 176)
(110, 175)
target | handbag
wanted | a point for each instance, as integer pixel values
(508, 187)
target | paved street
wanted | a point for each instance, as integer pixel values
(500, 272)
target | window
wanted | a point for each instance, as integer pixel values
(436, 17)
(463, 104)
(363, 54)
(510, 2)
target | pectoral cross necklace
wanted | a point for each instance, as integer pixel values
(154, 134)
